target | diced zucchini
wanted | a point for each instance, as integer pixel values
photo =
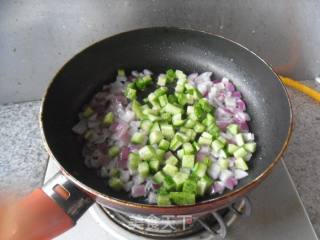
(108, 118)
(176, 142)
(160, 154)
(251, 147)
(163, 200)
(155, 127)
(166, 116)
(87, 112)
(190, 186)
(146, 125)
(190, 123)
(188, 148)
(159, 177)
(176, 120)
(196, 146)
(113, 151)
(133, 161)
(188, 161)
(217, 145)
(155, 137)
(167, 130)
(222, 140)
(162, 80)
(136, 108)
(147, 152)
(172, 160)
(170, 170)
(231, 148)
(170, 108)
(182, 78)
(163, 100)
(164, 144)
(200, 169)
(143, 169)
(154, 165)
(240, 163)
(115, 183)
(138, 138)
(239, 139)
(168, 183)
(199, 128)
(180, 153)
(204, 141)
(203, 184)
(223, 163)
(233, 129)
(240, 152)
(182, 198)
(179, 178)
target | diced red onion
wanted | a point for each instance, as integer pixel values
(241, 106)
(128, 186)
(152, 198)
(225, 174)
(147, 72)
(218, 187)
(128, 116)
(81, 127)
(124, 175)
(248, 137)
(214, 171)
(239, 174)
(123, 159)
(138, 191)
(155, 186)
(216, 81)
(138, 179)
(236, 94)
(230, 102)
(204, 149)
(231, 182)
(200, 156)
(192, 77)
(104, 172)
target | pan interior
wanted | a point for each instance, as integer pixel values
(158, 49)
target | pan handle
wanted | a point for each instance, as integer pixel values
(47, 212)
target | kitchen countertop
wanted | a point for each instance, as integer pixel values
(23, 158)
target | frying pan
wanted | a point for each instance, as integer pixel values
(76, 187)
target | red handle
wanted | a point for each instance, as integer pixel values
(35, 217)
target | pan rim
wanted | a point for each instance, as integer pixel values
(187, 208)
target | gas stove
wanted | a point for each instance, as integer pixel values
(275, 209)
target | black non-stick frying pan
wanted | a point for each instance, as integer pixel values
(158, 49)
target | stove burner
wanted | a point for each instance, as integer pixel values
(170, 226)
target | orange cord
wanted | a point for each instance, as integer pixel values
(301, 87)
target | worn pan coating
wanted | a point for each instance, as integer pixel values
(158, 49)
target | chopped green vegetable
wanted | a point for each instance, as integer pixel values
(170, 170)
(163, 200)
(147, 152)
(188, 161)
(251, 147)
(88, 111)
(113, 151)
(138, 138)
(143, 169)
(115, 183)
(108, 118)
(182, 198)
(133, 161)
(233, 129)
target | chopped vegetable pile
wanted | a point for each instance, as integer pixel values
(168, 139)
